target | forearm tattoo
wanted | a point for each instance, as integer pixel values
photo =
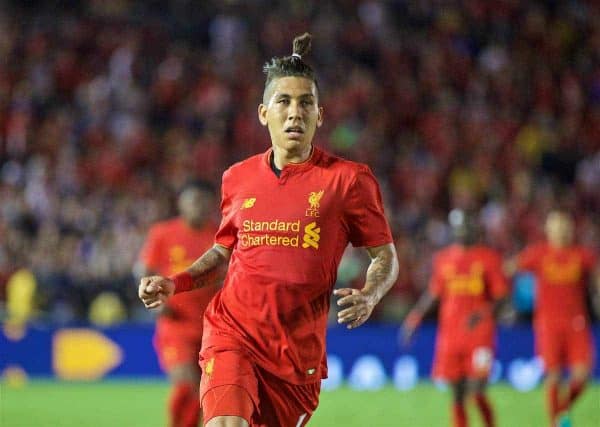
(209, 269)
(382, 272)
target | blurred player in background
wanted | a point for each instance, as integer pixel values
(561, 322)
(170, 247)
(288, 215)
(468, 281)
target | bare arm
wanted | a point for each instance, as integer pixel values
(425, 303)
(206, 270)
(383, 270)
(381, 276)
(210, 267)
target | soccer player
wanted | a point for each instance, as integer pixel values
(468, 280)
(170, 247)
(287, 215)
(563, 271)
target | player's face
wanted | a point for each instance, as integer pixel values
(559, 229)
(464, 227)
(292, 113)
(194, 205)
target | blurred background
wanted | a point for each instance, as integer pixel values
(108, 107)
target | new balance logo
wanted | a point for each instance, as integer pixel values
(311, 236)
(248, 203)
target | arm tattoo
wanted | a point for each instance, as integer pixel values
(383, 271)
(209, 269)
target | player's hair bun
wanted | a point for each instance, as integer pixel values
(293, 65)
(302, 44)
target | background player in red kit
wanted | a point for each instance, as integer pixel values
(468, 281)
(170, 247)
(561, 323)
(288, 215)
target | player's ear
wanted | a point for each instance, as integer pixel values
(320, 117)
(262, 114)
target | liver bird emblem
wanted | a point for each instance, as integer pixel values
(314, 198)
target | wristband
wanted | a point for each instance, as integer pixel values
(413, 319)
(183, 282)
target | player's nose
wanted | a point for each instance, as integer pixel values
(294, 111)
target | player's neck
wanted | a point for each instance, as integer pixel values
(282, 157)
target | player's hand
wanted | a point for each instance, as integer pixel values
(360, 306)
(154, 291)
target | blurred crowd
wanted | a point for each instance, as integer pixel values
(108, 107)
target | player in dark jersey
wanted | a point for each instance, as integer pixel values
(288, 215)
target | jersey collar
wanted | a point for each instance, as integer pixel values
(292, 168)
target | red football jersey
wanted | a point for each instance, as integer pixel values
(562, 275)
(467, 280)
(171, 247)
(288, 235)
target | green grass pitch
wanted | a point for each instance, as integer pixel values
(141, 403)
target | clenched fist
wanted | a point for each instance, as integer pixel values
(154, 291)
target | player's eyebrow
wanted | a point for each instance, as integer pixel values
(288, 96)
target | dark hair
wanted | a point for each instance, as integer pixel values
(293, 65)
(198, 184)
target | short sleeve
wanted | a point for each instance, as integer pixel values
(363, 213)
(150, 253)
(495, 278)
(528, 259)
(227, 233)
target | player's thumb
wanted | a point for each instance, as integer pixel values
(152, 288)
